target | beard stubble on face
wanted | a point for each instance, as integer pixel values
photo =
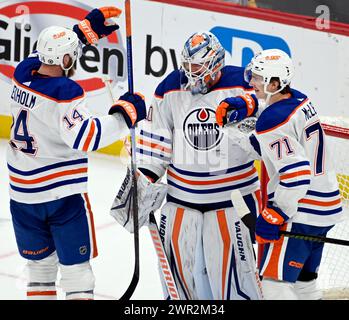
(71, 72)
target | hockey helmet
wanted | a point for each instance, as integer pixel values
(269, 64)
(201, 59)
(55, 42)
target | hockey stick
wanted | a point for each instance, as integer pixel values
(244, 214)
(135, 278)
(155, 236)
(163, 261)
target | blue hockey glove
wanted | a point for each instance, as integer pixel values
(268, 224)
(93, 27)
(131, 106)
(236, 109)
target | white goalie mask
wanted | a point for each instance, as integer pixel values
(269, 64)
(201, 59)
(55, 42)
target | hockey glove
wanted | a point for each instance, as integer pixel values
(131, 106)
(93, 27)
(268, 224)
(236, 109)
(150, 197)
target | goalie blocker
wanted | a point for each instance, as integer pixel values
(150, 197)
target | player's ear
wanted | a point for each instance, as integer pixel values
(66, 61)
(274, 85)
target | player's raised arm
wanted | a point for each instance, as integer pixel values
(96, 24)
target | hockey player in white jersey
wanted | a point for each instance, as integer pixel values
(52, 131)
(303, 194)
(209, 248)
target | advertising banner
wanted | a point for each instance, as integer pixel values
(159, 32)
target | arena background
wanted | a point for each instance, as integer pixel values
(318, 46)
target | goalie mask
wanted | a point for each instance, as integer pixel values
(201, 60)
(55, 42)
(269, 64)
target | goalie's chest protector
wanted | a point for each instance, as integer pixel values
(205, 165)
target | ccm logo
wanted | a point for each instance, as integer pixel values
(59, 35)
(272, 57)
(295, 264)
(270, 218)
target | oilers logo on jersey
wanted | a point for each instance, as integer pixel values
(201, 130)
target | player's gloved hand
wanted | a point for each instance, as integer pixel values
(150, 196)
(131, 106)
(268, 224)
(93, 27)
(236, 109)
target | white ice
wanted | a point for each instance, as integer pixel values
(114, 265)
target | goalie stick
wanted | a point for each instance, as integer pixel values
(244, 214)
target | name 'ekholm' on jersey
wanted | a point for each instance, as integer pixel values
(22, 97)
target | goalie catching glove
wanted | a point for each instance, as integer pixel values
(150, 197)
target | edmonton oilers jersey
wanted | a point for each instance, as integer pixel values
(182, 138)
(52, 131)
(303, 181)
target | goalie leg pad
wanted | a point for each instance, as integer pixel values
(150, 197)
(181, 232)
(42, 275)
(77, 281)
(278, 290)
(202, 282)
(229, 257)
(308, 290)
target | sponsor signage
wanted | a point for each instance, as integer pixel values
(159, 32)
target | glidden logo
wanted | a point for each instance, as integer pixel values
(21, 23)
